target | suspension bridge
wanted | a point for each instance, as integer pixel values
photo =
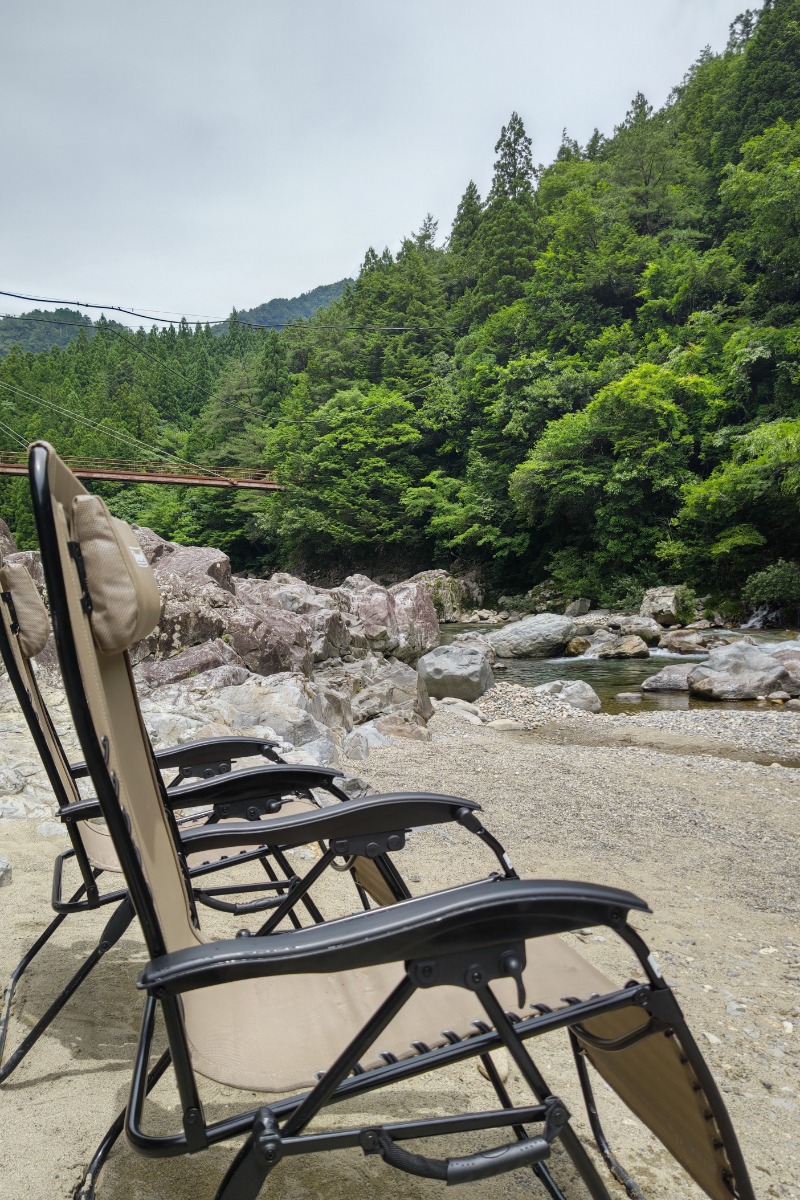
(124, 471)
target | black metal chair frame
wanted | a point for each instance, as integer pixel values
(200, 766)
(467, 937)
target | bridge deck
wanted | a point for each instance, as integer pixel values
(141, 472)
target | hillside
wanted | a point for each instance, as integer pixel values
(280, 312)
(40, 330)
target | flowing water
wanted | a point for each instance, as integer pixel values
(608, 676)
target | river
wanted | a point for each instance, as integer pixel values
(608, 676)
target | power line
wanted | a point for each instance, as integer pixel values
(211, 320)
(21, 441)
(125, 438)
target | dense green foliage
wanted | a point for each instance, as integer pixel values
(596, 376)
(39, 330)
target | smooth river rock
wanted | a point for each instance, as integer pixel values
(738, 672)
(458, 670)
(576, 692)
(539, 636)
(630, 646)
(674, 678)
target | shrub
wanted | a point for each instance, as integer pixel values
(778, 585)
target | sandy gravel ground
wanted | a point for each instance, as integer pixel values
(709, 839)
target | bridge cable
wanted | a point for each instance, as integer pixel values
(126, 438)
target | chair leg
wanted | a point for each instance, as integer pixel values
(86, 1188)
(115, 927)
(539, 1169)
(16, 975)
(535, 1080)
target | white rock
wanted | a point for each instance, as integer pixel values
(458, 670)
(51, 829)
(5, 871)
(576, 692)
(538, 636)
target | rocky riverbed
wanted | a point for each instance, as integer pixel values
(710, 840)
(698, 811)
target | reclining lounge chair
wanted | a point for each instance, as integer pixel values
(394, 992)
(24, 629)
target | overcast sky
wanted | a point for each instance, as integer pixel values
(186, 156)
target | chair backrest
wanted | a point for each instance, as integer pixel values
(104, 596)
(24, 630)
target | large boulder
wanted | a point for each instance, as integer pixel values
(738, 672)
(687, 641)
(480, 641)
(378, 687)
(457, 670)
(195, 566)
(661, 603)
(539, 636)
(644, 627)
(576, 692)
(451, 596)
(674, 678)
(269, 640)
(7, 543)
(578, 608)
(281, 590)
(630, 646)
(376, 611)
(286, 706)
(193, 661)
(417, 622)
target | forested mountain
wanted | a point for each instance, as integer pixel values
(40, 330)
(594, 376)
(300, 308)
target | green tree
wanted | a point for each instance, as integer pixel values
(346, 466)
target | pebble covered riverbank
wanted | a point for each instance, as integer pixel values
(683, 808)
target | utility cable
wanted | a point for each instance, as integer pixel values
(215, 320)
(125, 438)
(16, 437)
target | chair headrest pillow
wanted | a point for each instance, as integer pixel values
(126, 602)
(32, 618)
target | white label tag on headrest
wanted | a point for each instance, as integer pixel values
(138, 556)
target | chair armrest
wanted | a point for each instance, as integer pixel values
(231, 795)
(466, 919)
(209, 750)
(370, 816)
(255, 791)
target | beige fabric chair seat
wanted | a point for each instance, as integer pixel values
(238, 1036)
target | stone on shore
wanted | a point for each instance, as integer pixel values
(458, 670)
(540, 636)
(576, 692)
(5, 865)
(630, 646)
(738, 672)
(661, 603)
(674, 678)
